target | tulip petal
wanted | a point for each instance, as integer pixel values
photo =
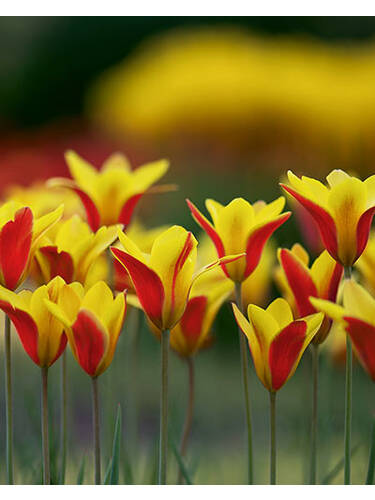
(192, 319)
(322, 218)
(257, 239)
(299, 281)
(332, 310)
(284, 351)
(15, 245)
(26, 328)
(363, 230)
(127, 209)
(91, 341)
(147, 284)
(60, 263)
(358, 301)
(44, 223)
(363, 338)
(61, 349)
(281, 311)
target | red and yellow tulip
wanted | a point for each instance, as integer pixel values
(72, 249)
(163, 279)
(41, 335)
(241, 227)
(276, 340)
(110, 195)
(321, 280)
(20, 233)
(357, 315)
(343, 211)
(92, 321)
(366, 264)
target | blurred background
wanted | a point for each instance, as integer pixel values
(233, 103)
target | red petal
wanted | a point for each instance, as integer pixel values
(90, 341)
(363, 230)
(334, 282)
(258, 239)
(15, 244)
(185, 252)
(299, 281)
(322, 218)
(60, 263)
(284, 351)
(121, 277)
(26, 329)
(192, 319)
(61, 349)
(128, 209)
(92, 214)
(147, 284)
(363, 338)
(209, 229)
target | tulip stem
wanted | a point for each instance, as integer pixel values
(348, 397)
(45, 431)
(371, 459)
(96, 429)
(8, 401)
(272, 437)
(314, 419)
(245, 383)
(189, 412)
(63, 417)
(163, 443)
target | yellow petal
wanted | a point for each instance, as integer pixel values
(45, 223)
(270, 210)
(358, 301)
(85, 175)
(336, 177)
(265, 325)
(117, 161)
(130, 247)
(214, 208)
(280, 310)
(146, 175)
(332, 310)
(98, 300)
(321, 272)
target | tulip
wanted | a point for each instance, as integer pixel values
(241, 227)
(277, 342)
(366, 264)
(322, 280)
(110, 195)
(72, 250)
(42, 337)
(93, 322)
(163, 281)
(20, 232)
(343, 211)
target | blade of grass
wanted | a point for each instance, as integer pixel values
(81, 472)
(114, 472)
(108, 472)
(338, 467)
(180, 462)
(371, 459)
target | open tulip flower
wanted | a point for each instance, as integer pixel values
(72, 249)
(357, 315)
(343, 211)
(321, 280)
(110, 195)
(241, 227)
(20, 232)
(276, 340)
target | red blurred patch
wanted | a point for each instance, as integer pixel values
(192, 319)
(147, 284)
(26, 329)
(322, 218)
(363, 338)
(92, 214)
(284, 351)
(363, 230)
(299, 281)
(333, 283)
(257, 240)
(15, 244)
(128, 209)
(60, 263)
(90, 341)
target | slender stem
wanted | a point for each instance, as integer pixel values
(96, 429)
(272, 437)
(314, 419)
(245, 384)
(45, 431)
(371, 459)
(348, 398)
(163, 443)
(63, 417)
(8, 402)
(189, 413)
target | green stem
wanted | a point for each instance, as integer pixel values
(163, 443)
(8, 402)
(96, 429)
(63, 417)
(348, 398)
(272, 437)
(245, 384)
(45, 431)
(189, 413)
(371, 459)
(314, 419)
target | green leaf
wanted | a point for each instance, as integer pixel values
(107, 474)
(371, 459)
(180, 462)
(81, 472)
(112, 472)
(338, 467)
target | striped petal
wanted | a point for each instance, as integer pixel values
(363, 338)
(127, 209)
(363, 230)
(59, 263)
